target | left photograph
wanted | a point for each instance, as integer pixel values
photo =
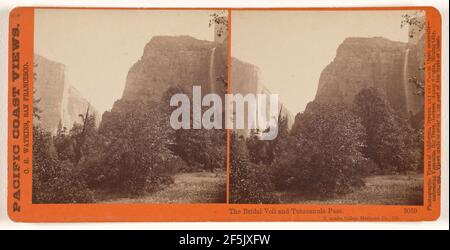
(102, 106)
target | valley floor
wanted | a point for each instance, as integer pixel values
(379, 190)
(197, 187)
(207, 187)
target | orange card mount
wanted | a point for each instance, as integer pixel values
(283, 114)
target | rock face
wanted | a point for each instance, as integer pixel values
(172, 61)
(59, 102)
(245, 79)
(176, 60)
(373, 62)
(184, 61)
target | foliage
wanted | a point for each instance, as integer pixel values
(219, 18)
(419, 85)
(257, 149)
(413, 20)
(322, 156)
(135, 154)
(201, 149)
(54, 180)
(249, 182)
(264, 151)
(416, 23)
(76, 145)
(388, 137)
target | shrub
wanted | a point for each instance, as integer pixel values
(55, 181)
(249, 182)
(201, 149)
(136, 153)
(388, 137)
(322, 156)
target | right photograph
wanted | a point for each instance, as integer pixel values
(349, 109)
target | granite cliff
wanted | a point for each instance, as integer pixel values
(245, 79)
(176, 60)
(172, 61)
(373, 62)
(58, 100)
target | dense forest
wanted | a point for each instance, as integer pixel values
(133, 152)
(328, 151)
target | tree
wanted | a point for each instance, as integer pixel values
(36, 110)
(416, 24)
(136, 152)
(323, 155)
(387, 134)
(256, 147)
(415, 20)
(220, 19)
(200, 148)
(249, 182)
(265, 151)
(75, 145)
(55, 180)
(79, 137)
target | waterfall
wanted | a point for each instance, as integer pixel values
(212, 80)
(406, 80)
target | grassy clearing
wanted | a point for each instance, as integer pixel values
(379, 190)
(198, 187)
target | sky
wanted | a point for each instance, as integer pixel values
(291, 48)
(98, 47)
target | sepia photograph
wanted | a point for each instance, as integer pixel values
(241, 115)
(350, 88)
(103, 82)
(225, 124)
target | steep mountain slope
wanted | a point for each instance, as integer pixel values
(59, 102)
(373, 62)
